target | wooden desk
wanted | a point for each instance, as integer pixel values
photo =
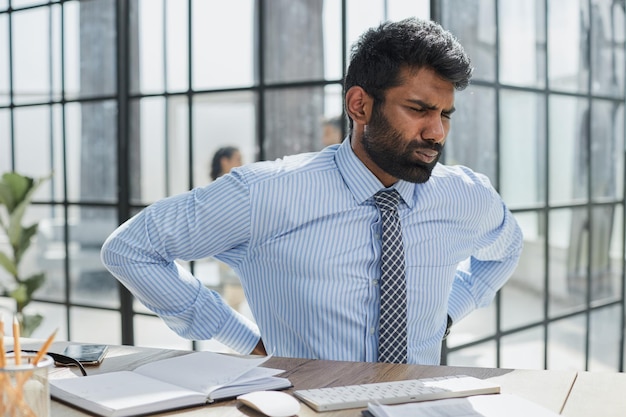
(575, 394)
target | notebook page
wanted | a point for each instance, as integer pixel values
(200, 371)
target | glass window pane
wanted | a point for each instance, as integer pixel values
(604, 339)
(522, 148)
(522, 296)
(479, 324)
(568, 68)
(293, 48)
(160, 149)
(91, 283)
(16, 4)
(91, 140)
(360, 16)
(90, 49)
(566, 344)
(473, 23)
(4, 60)
(607, 143)
(472, 138)
(32, 141)
(54, 317)
(149, 168)
(604, 252)
(568, 173)
(152, 332)
(4, 4)
(95, 326)
(568, 270)
(223, 52)
(57, 158)
(148, 59)
(71, 51)
(5, 141)
(333, 64)
(221, 120)
(56, 75)
(50, 251)
(483, 355)
(31, 51)
(401, 9)
(522, 43)
(523, 350)
(177, 45)
(293, 113)
(607, 45)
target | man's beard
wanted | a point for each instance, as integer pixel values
(382, 143)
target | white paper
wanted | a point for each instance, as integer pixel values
(493, 405)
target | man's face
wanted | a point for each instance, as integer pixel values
(406, 134)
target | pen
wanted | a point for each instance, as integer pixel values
(16, 341)
(45, 347)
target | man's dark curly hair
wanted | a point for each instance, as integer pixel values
(380, 53)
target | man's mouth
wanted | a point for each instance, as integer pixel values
(427, 155)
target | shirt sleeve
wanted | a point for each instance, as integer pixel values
(498, 248)
(142, 255)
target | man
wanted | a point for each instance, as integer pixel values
(306, 236)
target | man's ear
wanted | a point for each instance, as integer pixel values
(359, 105)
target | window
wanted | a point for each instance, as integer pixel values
(126, 102)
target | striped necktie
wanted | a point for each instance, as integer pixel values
(392, 340)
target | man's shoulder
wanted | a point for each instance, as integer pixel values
(303, 164)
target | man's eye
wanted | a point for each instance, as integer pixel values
(446, 116)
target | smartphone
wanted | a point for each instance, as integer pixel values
(86, 354)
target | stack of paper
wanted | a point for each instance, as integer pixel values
(495, 405)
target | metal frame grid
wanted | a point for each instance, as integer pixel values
(125, 208)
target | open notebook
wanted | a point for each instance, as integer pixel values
(184, 381)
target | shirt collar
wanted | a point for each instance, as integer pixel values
(361, 182)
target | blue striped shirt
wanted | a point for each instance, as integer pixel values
(303, 234)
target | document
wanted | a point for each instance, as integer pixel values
(184, 381)
(494, 405)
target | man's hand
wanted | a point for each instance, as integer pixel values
(259, 349)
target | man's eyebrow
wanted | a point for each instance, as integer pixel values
(427, 106)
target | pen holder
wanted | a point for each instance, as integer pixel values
(24, 389)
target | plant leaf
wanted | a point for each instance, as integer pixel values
(33, 283)
(29, 323)
(25, 241)
(23, 190)
(20, 295)
(8, 264)
(17, 187)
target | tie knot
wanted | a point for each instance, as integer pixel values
(387, 199)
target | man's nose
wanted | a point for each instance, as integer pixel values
(435, 130)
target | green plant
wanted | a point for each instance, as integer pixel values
(16, 192)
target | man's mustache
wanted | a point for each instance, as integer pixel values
(420, 144)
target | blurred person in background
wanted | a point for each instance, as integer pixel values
(224, 160)
(332, 131)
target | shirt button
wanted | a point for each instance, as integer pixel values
(372, 330)
(377, 236)
(374, 282)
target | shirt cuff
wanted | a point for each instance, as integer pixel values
(239, 333)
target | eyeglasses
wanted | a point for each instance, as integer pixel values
(60, 360)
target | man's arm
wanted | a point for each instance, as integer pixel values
(142, 255)
(497, 253)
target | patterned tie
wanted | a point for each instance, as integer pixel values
(392, 342)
